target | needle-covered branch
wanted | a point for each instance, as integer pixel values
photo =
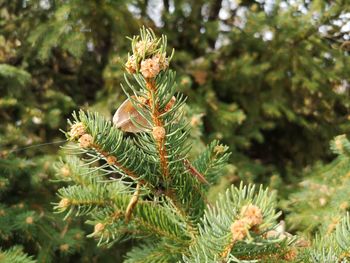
(133, 177)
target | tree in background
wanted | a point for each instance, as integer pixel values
(320, 206)
(273, 76)
(40, 86)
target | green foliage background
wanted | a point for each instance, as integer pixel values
(269, 80)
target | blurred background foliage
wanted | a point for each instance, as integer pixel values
(268, 78)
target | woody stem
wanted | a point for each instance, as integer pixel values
(151, 87)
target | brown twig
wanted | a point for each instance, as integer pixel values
(133, 201)
(114, 161)
(151, 87)
(195, 172)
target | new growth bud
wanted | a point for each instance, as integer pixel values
(64, 203)
(239, 230)
(158, 133)
(65, 171)
(252, 214)
(148, 55)
(77, 130)
(29, 220)
(111, 160)
(150, 68)
(131, 65)
(145, 47)
(86, 141)
(99, 227)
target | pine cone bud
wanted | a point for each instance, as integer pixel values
(111, 160)
(64, 247)
(218, 149)
(65, 171)
(86, 141)
(64, 203)
(29, 220)
(252, 214)
(291, 255)
(158, 133)
(142, 101)
(99, 228)
(77, 130)
(239, 229)
(338, 142)
(150, 68)
(143, 48)
(131, 65)
(161, 60)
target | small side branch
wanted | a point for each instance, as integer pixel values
(132, 203)
(112, 160)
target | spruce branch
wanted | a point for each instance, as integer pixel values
(228, 232)
(15, 255)
(154, 192)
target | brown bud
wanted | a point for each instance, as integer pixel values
(111, 160)
(158, 133)
(29, 220)
(144, 47)
(291, 255)
(252, 214)
(131, 65)
(239, 229)
(85, 141)
(150, 68)
(64, 247)
(99, 227)
(64, 203)
(65, 171)
(77, 130)
(219, 149)
(161, 60)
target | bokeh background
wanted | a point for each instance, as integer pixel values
(268, 78)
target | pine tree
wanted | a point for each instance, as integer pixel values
(132, 178)
(259, 70)
(25, 216)
(320, 206)
(31, 110)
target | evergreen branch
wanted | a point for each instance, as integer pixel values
(342, 234)
(148, 215)
(216, 240)
(212, 161)
(120, 154)
(150, 252)
(15, 255)
(72, 170)
(10, 72)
